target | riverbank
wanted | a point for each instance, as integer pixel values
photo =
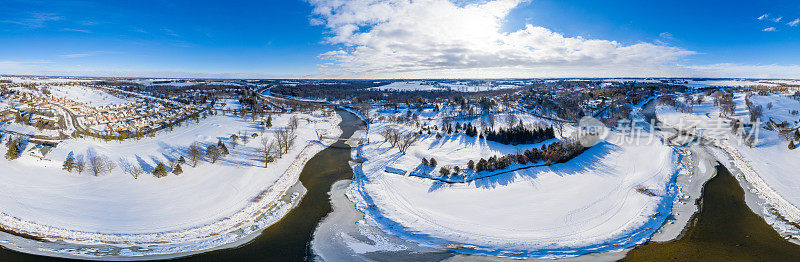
(344, 235)
(270, 206)
(766, 168)
(725, 230)
(690, 184)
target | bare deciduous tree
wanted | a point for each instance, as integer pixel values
(293, 123)
(99, 165)
(214, 153)
(266, 148)
(195, 153)
(285, 140)
(80, 165)
(406, 141)
(391, 135)
(511, 120)
(136, 171)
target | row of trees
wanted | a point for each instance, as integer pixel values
(402, 141)
(270, 149)
(725, 101)
(519, 134)
(755, 111)
(96, 165)
(557, 152)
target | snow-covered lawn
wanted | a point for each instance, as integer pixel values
(770, 166)
(730, 83)
(436, 86)
(38, 196)
(589, 204)
(91, 96)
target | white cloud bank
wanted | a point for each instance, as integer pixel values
(443, 39)
(438, 38)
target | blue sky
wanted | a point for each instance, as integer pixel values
(427, 38)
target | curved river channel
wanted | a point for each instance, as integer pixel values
(724, 229)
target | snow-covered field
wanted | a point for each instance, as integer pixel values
(769, 166)
(43, 80)
(589, 204)
(179, 82)
(39, 197)
(728, 83)
(91, 96)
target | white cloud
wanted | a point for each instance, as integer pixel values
(76, 55)
(169, 32)
(437, 38)
(777, 19)
(35, 20)
(794, 22)
(87, 54)
(770, 29)
(76, 30)
(762, 17)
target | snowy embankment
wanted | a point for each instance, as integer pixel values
(769, 166)
(207, 206)
(613, 196)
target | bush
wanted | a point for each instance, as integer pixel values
(177, 170)
(444, 171)
(160, 171)
(424, 162)
(471, 164)
(69, 164)
(13, 149)
(432, 162)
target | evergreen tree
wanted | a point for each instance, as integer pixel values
(224, 149)
(432, 162)
(69, 164)
(791, 145)
(160, 171)
(444, 171)
(268, 124)
(13, 149)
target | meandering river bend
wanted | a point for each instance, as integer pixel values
(724, 229)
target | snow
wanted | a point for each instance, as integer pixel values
(40, 198)
(589, 204)
(91, 96)
(28, 130)
(44, 80)
(180, 82)
(442, 86)
(727, 83)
